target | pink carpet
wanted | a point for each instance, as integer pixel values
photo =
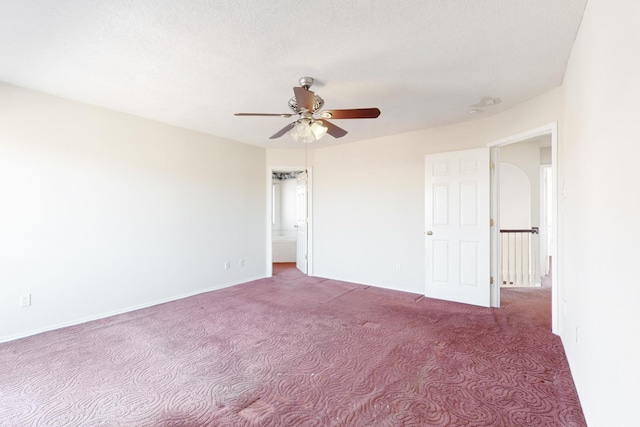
(297, 351)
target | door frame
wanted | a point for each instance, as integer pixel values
(548, 129)
(544, 204)
(269, 243)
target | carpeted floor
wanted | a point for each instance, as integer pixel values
(297, 351)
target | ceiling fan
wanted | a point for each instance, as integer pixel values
(312, 124)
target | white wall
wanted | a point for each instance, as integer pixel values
(545, 156)
(515, 197)
(286, 159)
(103, 211)
(368, 197)
(526, 156)
(599, 232)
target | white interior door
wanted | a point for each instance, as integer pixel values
(301, 223)
(457, 233)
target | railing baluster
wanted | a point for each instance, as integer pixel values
(509, 259)
(519, 256)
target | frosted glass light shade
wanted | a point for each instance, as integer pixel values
(307, 131)
(318, 130)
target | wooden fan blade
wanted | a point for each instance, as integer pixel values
(282, 131)
(264, 114)
(304, 98)
(354, 113)
(333, 130)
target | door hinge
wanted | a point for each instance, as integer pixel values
(492, 165)
(491, 280)
(491, 223)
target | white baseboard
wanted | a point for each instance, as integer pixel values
(124, 310)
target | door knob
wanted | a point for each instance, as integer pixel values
(429, 233)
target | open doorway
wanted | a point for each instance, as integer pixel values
(523, 219)
(529, 209)
(288, 218)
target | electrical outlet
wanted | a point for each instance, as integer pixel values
(227, 265)
(25, 300)
(398, 267)
(577, 335)
(240, 262)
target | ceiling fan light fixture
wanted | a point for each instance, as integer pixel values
(312, 123)
(307, 130)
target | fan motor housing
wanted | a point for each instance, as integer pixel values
(317, 104)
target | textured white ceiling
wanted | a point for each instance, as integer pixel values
(195, 63)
